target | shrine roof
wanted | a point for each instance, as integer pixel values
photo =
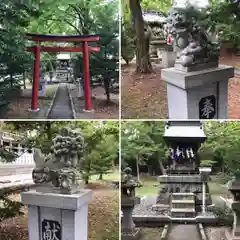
(184, 129)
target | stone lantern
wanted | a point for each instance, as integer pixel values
(128, 201)
(158, 43)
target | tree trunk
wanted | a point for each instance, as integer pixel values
(106, 83)
(137, 167)
(143, 63)
(49, 130)
(100, 176)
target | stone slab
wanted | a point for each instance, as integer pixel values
(160, 220)
(198, 94)
(54, 200)
(197, 67)
(179, 179)
(186, 80)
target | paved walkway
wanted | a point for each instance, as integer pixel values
(61, 108)
(183, 232)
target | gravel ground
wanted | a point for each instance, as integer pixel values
(145, 207)
(214, 233)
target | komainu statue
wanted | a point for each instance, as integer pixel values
(61, 167)
(195, 50)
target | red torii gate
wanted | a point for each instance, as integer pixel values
(38, 38)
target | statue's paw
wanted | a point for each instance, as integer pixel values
(186, 60)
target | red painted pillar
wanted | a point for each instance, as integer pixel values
(86, 78)
(34, 105)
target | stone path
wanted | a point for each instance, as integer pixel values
(61, 108)
(183, 232)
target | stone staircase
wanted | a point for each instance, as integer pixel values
(182, 205)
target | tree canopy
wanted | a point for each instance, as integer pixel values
(142, 144)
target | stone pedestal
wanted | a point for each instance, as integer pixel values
(198, 94)
(236, 221)
(57, 216)
(128, 229)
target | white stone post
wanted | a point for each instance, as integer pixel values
(57, 216)
(199, 94)
(203, 198)
(204, 171)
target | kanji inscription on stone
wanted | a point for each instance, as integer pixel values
(207, 107)
(51, 230)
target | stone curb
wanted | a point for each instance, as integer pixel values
(165, 232)
(71, 102)
(53, 100)
(159, 221)
(202, 232)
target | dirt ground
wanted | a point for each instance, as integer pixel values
(144, 96)
(102, 109)
(103, 221)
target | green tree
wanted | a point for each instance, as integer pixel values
(99, 156)
(140, 141)
(132, 14)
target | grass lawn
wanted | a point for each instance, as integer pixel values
(217, 188)
(150, 187)
(106, 177)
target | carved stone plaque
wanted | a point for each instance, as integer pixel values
(207, 107)
(51, 230)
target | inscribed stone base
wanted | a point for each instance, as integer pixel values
(199, 94)
(57, 216)
(131, 234)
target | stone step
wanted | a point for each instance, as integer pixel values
(183, 205)
(182, 210)
(184, 201)
(183, 194)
